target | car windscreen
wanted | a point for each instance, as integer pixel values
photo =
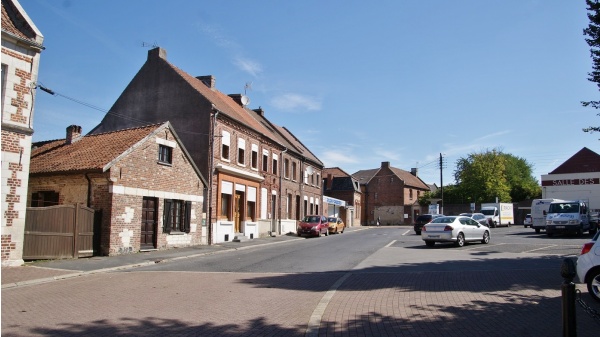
(311, 219)
(332, 219)
(446, 219)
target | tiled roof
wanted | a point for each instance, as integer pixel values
(335, 172)
(583, 161)
(87, 153)
(14, 22)
(364, 176)
(304, 151)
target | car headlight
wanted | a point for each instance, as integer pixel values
(315, 228)
(573, 222)
(548, 222)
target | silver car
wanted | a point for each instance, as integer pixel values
(457, 229)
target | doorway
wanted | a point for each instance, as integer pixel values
(238, 211)
(149, 223)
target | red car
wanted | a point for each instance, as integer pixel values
(313, 225)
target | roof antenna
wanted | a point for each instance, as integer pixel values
(248, 86)
(146, 45)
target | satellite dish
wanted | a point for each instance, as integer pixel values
(245, 100)
(309, 170)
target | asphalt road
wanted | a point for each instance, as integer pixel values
(366, 282)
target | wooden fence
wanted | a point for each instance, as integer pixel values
(58, 232)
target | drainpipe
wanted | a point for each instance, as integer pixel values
(278, 230)
(212, 164)
(89, 190)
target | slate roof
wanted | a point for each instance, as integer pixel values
(16, 23)
(583, 161)
(96, 152)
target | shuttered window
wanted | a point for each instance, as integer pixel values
(176, 216)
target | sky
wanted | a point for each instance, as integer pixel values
(359, 83)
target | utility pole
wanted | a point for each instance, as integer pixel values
(442, 182)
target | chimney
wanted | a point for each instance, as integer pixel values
(414, 171)
(208, 80)
(157, 52)
(73, 133)
(385, 164)
(260, 111)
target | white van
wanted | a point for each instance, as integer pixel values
(539, 211)
(570, 216)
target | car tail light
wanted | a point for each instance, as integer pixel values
(586, 248)
(448, 228)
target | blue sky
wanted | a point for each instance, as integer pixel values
(357, 82)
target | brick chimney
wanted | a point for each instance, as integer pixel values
(259, 111)
(414, 171)
(157, 52)
(73, 133)
(208, 80)
(239, 99)
(385, 164)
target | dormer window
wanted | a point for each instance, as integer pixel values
(165, 154)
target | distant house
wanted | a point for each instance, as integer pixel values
(261, 178)
(21, 48)
(143, 180)
(390, 194)
(341, 185)
(577, 178)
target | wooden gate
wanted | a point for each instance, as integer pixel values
(58, 232)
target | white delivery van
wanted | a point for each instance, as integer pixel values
(569, 216)
(498, 213)
(539, 211)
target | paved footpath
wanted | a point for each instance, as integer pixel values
(110, 297)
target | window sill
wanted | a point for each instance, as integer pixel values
(164, 163)
(177, 233)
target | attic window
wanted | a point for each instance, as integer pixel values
(165, 154)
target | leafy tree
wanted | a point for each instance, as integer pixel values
(519, 174)
(482, 176)
(593, 40)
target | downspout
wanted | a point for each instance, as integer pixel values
(278, 230)
(212, 164)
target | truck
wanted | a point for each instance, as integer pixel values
(569, 216)
(498, 213)
(539, 211)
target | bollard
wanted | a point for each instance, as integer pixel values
(569, 323)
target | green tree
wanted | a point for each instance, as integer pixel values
(593, 40)
(482, 177)
(519, 174)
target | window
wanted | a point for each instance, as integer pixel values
(275, 166)
(44, 198)
(241, 152)
(265, 161)
(318, 180)
(165, 154)
(410, 193)
(312, 179)
(294, 171)
(251, 210)
(225, 206)
(225, 138)
(176, 216)
(286, 168)
(4, 70)
(254, 159)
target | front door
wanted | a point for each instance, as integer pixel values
(149, 221)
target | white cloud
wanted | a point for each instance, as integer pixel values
(296, 102)
(337, 158)
(251, 67)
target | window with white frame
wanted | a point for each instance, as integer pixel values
(165, 154)
(226, 200)
(254, 159)
(286, 168)
(318, 180)
(294, 171)
(225, 141)
(265, 160)
(241, 152)
(275, 165)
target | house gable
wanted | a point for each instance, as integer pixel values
(583, 161)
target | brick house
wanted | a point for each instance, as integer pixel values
(21, 48)
(390, 194)
(341, 185)
(240, 152)
(142, 179)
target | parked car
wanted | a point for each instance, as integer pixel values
(588, 267)
(313, 225)
(336, 225)
(528, 221)
(422, 220)
(479, 217)
(457, 229)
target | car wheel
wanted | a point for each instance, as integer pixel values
(550, 234)
(418, 232)
(460, 240)
(593, 285)
(486, 237)
(430, 243)
(537, 230)
(343, 229)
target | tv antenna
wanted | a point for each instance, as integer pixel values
(146, 44)
(247, 87)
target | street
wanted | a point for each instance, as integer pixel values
(367, 281)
